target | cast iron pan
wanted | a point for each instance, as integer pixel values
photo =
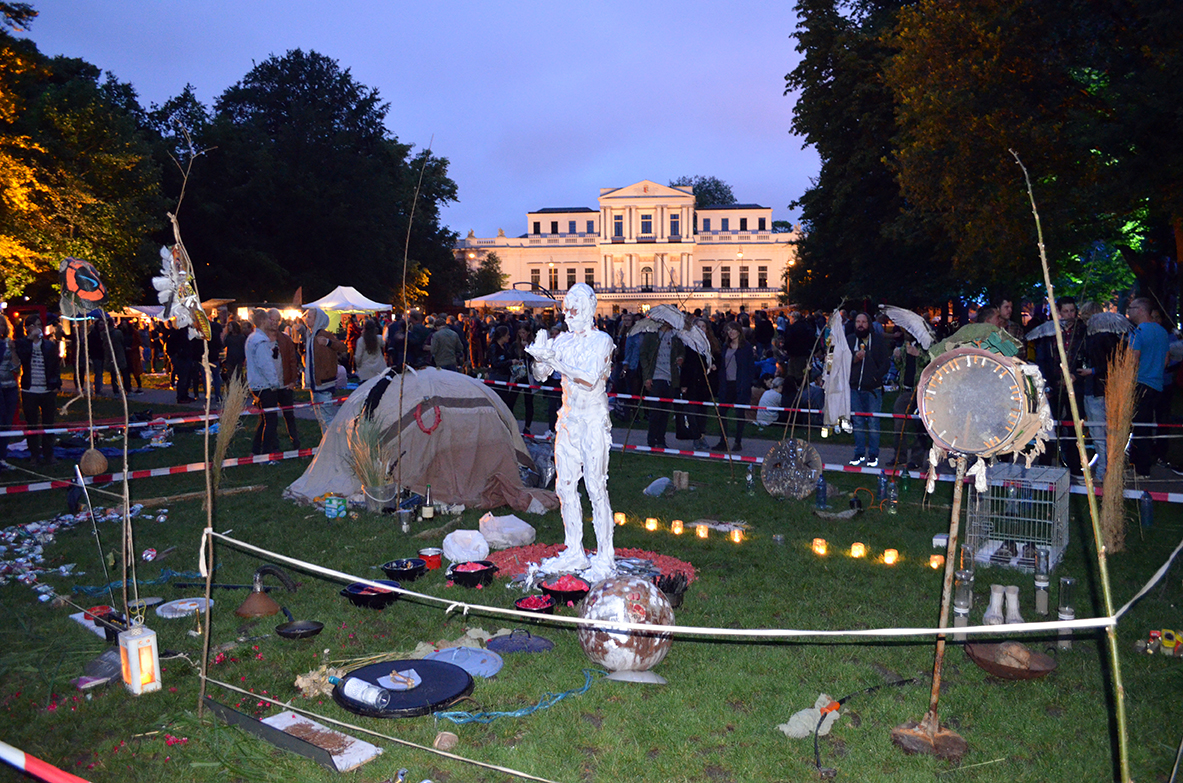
(297, 629)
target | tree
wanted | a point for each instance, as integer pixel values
(708, 191)
(76, 170)
(301, 183)
(859, 237)
(488, 277)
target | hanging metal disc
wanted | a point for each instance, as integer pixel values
(791, 468)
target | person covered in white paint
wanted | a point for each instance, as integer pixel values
(583, 435)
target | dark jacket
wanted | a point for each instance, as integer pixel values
(649, 346)
(868, 374)
(745, 372)
(49, 353)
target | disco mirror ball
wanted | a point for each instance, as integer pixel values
(626, 599)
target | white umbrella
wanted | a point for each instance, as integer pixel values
(512, 298)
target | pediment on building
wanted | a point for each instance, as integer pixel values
(645, 189)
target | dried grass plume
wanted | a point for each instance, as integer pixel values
(1120, 401)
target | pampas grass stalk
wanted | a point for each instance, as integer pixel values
(1119, 413)
(369, 457)
(229, 423)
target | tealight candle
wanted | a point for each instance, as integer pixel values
(737, 536)
(936, 561)
(702, 530)
(819, 546)
(890, 556)
(619, 517)
(676, 527)
(651, 523)
(858, 549)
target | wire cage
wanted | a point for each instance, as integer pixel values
(1022, 510)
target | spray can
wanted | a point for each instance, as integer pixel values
(1146, 509)
(363, 692)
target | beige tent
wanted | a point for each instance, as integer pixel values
(457, 435)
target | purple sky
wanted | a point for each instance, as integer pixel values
(534, 104)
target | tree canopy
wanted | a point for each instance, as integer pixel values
(708, 191)
(488, 277)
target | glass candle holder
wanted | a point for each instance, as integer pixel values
(963, 598)
(858, 549)
(651, 523)
(1042, 581)
(1067, 610)
(936, 561)
(702, 530)
(819, 546)
(737, 536)
(890, 556)
(619, 518)
(676, 527)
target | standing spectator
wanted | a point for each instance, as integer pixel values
(762, 332)
(1149, 345)
(289, 374)
(216, 344)
(321, 350)
(115, 356)
(369, 352)
(9, 392)
(799, 343)
(523, 373)
(176, 348)
(353, 331)
(396, 342)
(447, 349)
(417, 335)
(235, 342)
(262, 376)
(40, 381)
(501, 357)
(134, 348)
(738, 366)
(1093, 376)
(97, 347)
(662, 355)
(868, 367)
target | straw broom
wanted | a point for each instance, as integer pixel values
(1119, 413)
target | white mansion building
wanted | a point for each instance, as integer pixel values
(647, 245)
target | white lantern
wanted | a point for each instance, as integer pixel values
(140, 655)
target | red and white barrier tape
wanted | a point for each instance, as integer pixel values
(34, 766)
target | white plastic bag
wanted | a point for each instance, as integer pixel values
(507, 531)
(461, 546)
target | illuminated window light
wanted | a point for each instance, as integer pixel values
(819, 546)
(858, 549)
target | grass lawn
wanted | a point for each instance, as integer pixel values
(715, 720)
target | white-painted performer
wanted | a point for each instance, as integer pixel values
(583, 357)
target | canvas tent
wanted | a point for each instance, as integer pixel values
(347, 299)
(512, 298)
(457, 435)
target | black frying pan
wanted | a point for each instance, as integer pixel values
(297, 629)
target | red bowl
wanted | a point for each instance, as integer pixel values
(97, 611)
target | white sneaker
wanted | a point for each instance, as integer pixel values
(857, 461)
(873, 462)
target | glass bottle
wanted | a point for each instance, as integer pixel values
(963, 598)
(893, 497)
(363, 692)
(820, 491)
(1042, 581)
(1146, 509)
(1066, 610)
(751, 480)
(427, 511)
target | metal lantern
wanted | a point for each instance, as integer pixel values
(140, 655)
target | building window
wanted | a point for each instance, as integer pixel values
(537, 227)
(553, 282)
(618, 225)
(706, 224)
(554, 226)
(646, 277)
(675, 225)
(591, 226)
(743, 224)
(570, 277)
(760, 224)
(761, 277)
(706, 277)
(743, 277)
(725, 277)
(725, 224)
(646, 224)
(535, 278)
(571, 227)
(589, 276)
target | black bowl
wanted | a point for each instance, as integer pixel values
(367, 597)
(481, 577)
(563, 597)
(406, 570)
(549, 608)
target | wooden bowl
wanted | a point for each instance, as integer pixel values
(983, 655)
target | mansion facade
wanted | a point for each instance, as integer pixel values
(647, 245)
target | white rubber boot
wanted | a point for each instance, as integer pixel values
(993, 614)
(1012, 605)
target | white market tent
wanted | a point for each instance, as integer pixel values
(347, 299)
(512, 298)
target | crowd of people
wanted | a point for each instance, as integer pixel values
(765, 360)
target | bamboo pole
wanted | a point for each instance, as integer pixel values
(1098, 538)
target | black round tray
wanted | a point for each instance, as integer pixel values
(443, 683)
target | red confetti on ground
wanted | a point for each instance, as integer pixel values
(471, 567)
(518, 559)
(535, 602)
(566, 582)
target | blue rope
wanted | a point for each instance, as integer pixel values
(166, 574)
(548, 700)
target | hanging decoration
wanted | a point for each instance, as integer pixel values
(82, 287)
(174, 290)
